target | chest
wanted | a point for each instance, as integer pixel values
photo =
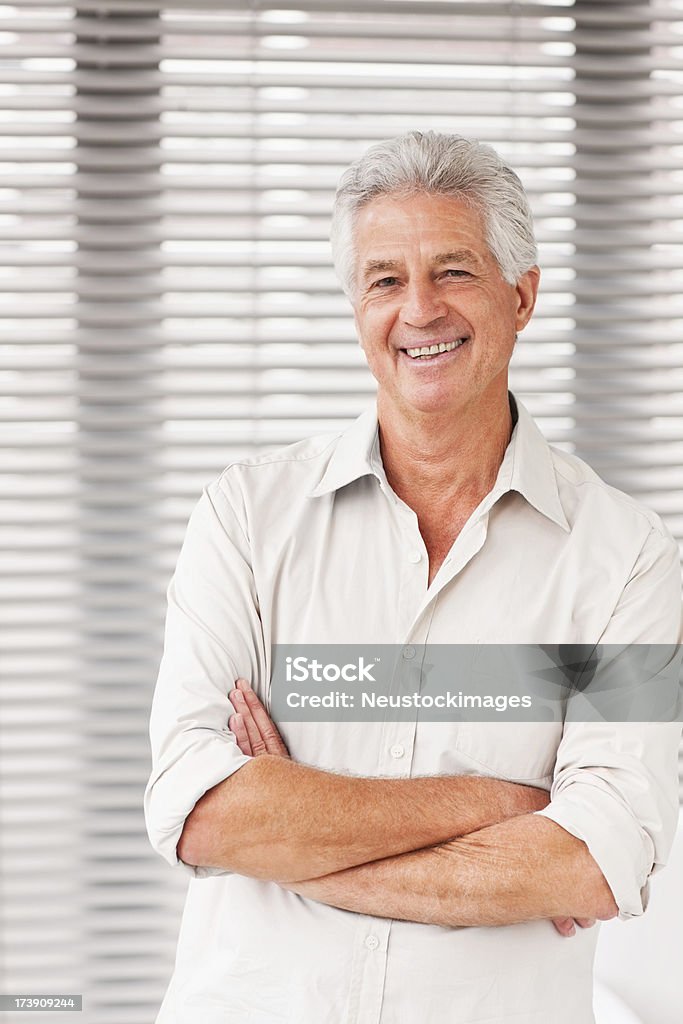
(439, 530)
(354, 571)
(439, 539)
(356, 574)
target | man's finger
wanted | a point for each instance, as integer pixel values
(264, 723)
(256, 740)
(236, 725)
(567, 925)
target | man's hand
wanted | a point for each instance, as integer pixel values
(567, 925)
(253, 727)
(257, 734)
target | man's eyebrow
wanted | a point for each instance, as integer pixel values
(457, 256)
(453, 256)
(378, 267)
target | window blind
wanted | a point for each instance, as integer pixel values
(166, 184)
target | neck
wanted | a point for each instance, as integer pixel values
(435, 458)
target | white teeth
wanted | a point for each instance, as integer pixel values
(433, 350)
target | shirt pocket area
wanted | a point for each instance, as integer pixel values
(514, 751)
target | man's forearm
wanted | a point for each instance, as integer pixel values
(275, 819)
(524, 869)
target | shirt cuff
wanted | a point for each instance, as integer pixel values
(623, 850)
(172, 793)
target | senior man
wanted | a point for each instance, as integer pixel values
(409, 871)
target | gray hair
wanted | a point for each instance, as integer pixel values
(439, 164)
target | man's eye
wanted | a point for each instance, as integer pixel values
(385, 282)
(457, 273)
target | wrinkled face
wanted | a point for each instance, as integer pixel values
(434, 316)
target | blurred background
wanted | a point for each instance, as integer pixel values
(166, 182)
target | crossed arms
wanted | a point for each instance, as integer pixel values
(448, 850)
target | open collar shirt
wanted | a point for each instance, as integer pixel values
(311, 545)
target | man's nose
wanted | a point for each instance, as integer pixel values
(423, 304)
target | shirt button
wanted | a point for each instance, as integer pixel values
(397, 750)
(409, 653)
(372, 942)
(415, 557)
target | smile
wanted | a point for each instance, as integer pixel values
(430, 351)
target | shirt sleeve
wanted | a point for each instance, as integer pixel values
(213, 636)
(615, 784)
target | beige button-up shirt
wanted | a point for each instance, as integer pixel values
(311, 545)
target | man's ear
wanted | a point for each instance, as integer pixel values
(527, 291)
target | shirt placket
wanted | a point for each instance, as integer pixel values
(397, 742)
(394, 760)
(416, 603)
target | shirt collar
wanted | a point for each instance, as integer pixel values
(531, 469)
(527, 466)
(352, 456)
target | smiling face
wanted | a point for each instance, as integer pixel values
(426, 278)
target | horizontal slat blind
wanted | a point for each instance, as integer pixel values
(165, 192)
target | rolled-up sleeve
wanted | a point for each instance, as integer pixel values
(615, 784)
(213, 636)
